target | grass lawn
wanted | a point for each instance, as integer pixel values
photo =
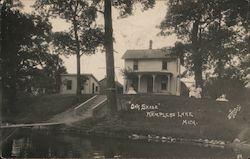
(42, 108)
(210, 118)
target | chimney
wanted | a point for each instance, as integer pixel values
(150, 44)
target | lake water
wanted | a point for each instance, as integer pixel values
(41, 144)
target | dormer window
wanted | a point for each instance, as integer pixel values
(164, 65)
(135, 66)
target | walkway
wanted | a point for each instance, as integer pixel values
(82, 111)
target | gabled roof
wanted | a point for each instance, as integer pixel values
(148, 54)
(82, 74)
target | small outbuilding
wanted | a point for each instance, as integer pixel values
(103, 86)
(89, 84)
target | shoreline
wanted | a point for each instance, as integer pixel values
(147, 137)
(155, 138)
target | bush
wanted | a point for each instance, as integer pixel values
(184, 90)
(233, 88)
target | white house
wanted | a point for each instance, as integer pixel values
(152, 71)
(90, 85)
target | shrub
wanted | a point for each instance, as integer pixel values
(232, 87)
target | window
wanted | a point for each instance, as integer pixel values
(69, 85)
(164, 64)
(96, 88)
(135, 67)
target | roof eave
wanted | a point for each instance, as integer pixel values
(133, 58)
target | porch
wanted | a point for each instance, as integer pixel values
(149, 82)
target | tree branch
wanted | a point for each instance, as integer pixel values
(100, 11)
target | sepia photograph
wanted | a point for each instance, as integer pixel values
(160, 79)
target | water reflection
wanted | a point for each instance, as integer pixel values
(34, 144)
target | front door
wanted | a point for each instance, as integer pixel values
(149, 84)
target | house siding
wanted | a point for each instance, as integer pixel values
(152, 65)
(87, 86)
(63, 87)
(155, 65)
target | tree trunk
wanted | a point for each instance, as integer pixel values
(1, 98)
(1, 73)
(108, 44)
(220, 67)
(8, 68)
(198, 75)
(9, 77)
(78, 67)
(78, 62)
(197, 58)
(198, 61)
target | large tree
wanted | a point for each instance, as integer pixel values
(108, 44)
(126, 8)
(83, 37)
(48, 76)
(208, 29)
(65, 8)
(25, 49)
(1, 84)
(4, 6)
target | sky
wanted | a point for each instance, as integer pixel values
(132, 32)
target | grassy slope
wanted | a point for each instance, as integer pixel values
(41, 108)
(210, 115)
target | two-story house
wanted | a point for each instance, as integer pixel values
(152, 71)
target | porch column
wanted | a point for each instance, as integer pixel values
(125, 87)
(153, 83)
(139, 83)
(178, 91)
(169, 83)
